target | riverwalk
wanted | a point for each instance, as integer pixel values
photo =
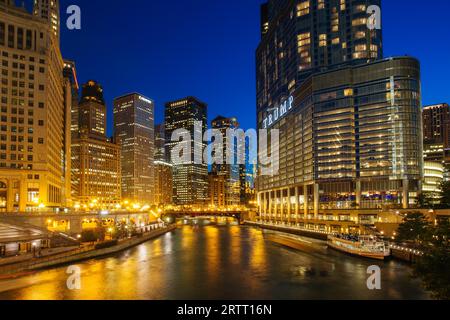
(79, 254)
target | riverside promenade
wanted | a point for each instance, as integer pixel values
(78, 254)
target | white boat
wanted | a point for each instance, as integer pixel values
(362, 246)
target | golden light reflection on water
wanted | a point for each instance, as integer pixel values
(226, 262)
(212, 253)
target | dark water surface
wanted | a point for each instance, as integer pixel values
(229, 262)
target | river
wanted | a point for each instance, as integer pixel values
(218, 262)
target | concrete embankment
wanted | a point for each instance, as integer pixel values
(80, 254)
(291, 230)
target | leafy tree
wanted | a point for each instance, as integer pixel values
(445, 195)
(424, 200)
(433, 267)
(415, 227)
(88, 236)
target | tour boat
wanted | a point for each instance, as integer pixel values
(363, 246)
(294, 241)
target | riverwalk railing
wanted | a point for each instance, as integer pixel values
(85, 252)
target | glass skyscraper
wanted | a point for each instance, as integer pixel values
(190, 180)
(350, 122)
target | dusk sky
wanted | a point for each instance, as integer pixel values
(206, 48)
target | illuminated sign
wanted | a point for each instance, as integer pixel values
(278, 112)
(145, 99)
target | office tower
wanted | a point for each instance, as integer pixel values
(229, 170)
(217, 189)
(302, 37)
(49, 11)
(350, 139)
(134, 130)
(92, 109)
(190, 180)
(95, 157)
(163, 169)
(436, 135)
(163, 183)
(160, 143)
(70, 73)
(33, 141)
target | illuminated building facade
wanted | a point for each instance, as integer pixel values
(35, 126)
(302, 37)
(163, 169)
(49, 11)
(433, 178)
(164, 184)
(231, 172)
(436, 135)
(134, 127)
(190, 181)
(349, 139)
(217, 189)
(73, 88)
(95, 158)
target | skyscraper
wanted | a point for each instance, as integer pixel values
(49, 11)
(163, 169)
(302, 37)
(34, 109)
(230, 171)
(190, 180)
(350, 122)
(95, 157)
(70, 74)
(92, 109)
(134, 131)
(436, 135)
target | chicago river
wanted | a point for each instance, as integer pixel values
(218, 262)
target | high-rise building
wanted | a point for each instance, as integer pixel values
(34, 144)
(134, 127)
(70, 73)
(217, 189)
(163, 169)
(95, 158)
(49, 11)
(436, 135)
(92, 111)
(229, 170)
(302, 37)
(190, 180)
(163, 183)
(160, 143)
(349, 139)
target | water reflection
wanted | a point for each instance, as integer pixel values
(218, 262)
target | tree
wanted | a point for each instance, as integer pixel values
(433, 267)
(424, 200)
(445, 195)
(415, 227)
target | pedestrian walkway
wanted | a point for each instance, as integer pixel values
(13, 233)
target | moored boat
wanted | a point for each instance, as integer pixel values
(363, 246)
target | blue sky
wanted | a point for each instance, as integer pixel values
(170, 49)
